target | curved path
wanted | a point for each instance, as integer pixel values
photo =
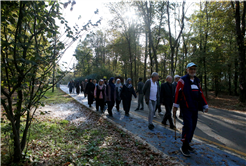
(219, 138)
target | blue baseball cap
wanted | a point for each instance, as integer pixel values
(190, 65)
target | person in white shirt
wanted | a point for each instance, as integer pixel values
(152, 96)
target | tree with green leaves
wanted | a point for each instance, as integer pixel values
(28, 30)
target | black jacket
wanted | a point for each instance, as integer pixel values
(167, 93)
(140, 87)
(126, 93)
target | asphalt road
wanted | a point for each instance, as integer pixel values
(226, 129)
(222, 128)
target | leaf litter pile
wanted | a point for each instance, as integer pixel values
(69, 134)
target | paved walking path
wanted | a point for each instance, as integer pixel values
(163, 138)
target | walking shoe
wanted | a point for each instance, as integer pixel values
(190, 149)
(184, 152)
(173, 127)
(141, 109)
(151, 126)
(160, 113)
(127, 114)
(136, 109)
(164, 123)
(154, 116)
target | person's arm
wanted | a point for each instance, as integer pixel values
(180, 87)
(122, 92)
(162, 94)
(145, 87)
(133, 92)
(95, 92)
(203, 99)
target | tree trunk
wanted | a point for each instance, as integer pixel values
(172, 46)
(204, 54)
(146, 55)
(235, 76)
(241, 48)
(229, 77)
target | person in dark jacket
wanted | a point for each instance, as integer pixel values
(189, 97)
(111, 95)
(118, 92)
(82, 86)
(140, 94)
(77, 87)
(126, 95)
(70, 86)
(100, 95)
(89, 90)
(85, 84)
(167, 98)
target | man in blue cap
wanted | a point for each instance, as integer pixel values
(189, 97)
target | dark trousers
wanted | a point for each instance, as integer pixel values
(168, 114)
(70, 90)
(181, 112)
(189, 122)
(140, 100)
(158, 107)
(110, 107)
(118, 104)
(90, 99)
(77, 90)
(126, 106)
(100, 102)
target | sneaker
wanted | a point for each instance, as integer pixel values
(154, 116)
(141, 109)
(190, 149)
(165, 124)
(136, 109)
(173, 127)
(160, 113)
(184, 152)
(151, 126)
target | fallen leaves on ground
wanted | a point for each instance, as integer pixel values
(91, 141)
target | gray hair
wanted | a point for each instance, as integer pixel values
(168, 76)
(154, 74)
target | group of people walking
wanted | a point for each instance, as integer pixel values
(184, 93)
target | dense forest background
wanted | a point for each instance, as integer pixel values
(143, 37)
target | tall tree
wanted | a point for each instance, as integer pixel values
(240, 32)
(174, 43)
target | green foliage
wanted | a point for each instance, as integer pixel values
(30, 50)
(56, 97)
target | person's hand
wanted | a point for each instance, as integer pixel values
(95, 97)
(121, 86)
(206, 110)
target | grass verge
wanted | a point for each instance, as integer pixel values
(57, 97)
(96, 142)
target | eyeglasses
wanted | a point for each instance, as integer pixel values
(192, 69)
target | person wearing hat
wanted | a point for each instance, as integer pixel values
(189, 97)
(175, 83)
